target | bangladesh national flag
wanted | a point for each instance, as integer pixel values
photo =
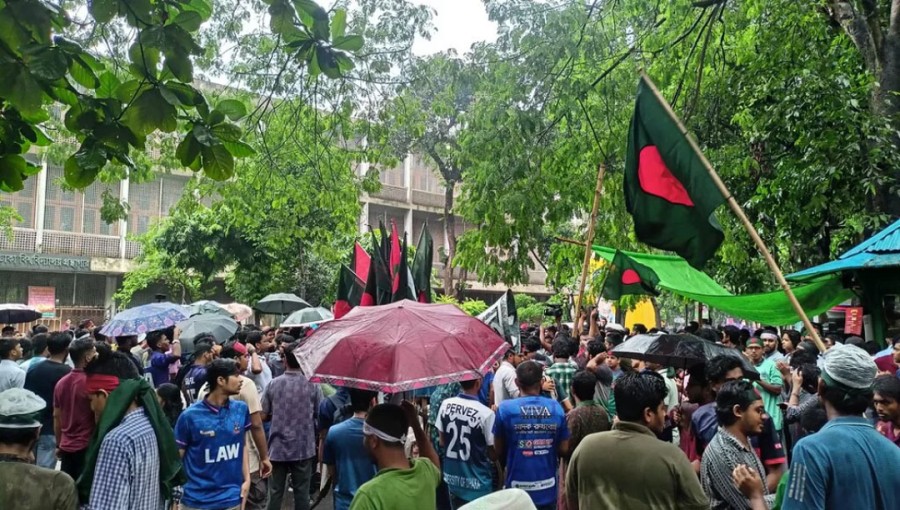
(668, 191)
(349, 292)
(627, 277)
(421, 268)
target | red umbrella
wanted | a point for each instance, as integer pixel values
(399, 347)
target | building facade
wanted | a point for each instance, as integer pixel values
(63, 258)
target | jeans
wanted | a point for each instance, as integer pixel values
(45, 451)
(301, 472)
(72, 463)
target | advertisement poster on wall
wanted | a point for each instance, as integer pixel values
(43, 299)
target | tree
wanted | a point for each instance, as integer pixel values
(427, 117)
(116, 103)
(789, 124)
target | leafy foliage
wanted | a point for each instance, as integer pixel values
(115, 102)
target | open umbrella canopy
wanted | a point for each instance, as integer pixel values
(399, 347)
(144, 319)
(207, 307)
(678, 351)
(281, 304)
(239, 311)
(221, 328)
(13, 313)
(307, 317)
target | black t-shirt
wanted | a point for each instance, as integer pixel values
(42, 379)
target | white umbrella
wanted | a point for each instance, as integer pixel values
(307, 317)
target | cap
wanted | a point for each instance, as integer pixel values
(848, 366)
(240, 348)
(755, 342)
(20, 409)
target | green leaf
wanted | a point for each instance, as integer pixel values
(46, 63)
(218, 163)
(317, 15)
(348, 43)
(83, 74)
(234, 109)
(129, 91)
(215, 117)
(227, 132)
(81, 168)
(144, 59)
(189, 20)
(180, 65)
(338, 23)
(149, 112)
(201, 7)
(204, 135)
(239, 149)
(103, 10)
(327, 62)
(344, 63)
(109, 83)
(187, 94)
(12, 167)
(21, 89)
(188, 150)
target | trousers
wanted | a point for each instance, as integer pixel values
(301, 472)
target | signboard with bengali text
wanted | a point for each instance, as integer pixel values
(853, 320)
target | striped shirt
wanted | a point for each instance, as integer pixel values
(127, 471)
(724, 453)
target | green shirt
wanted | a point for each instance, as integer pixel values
(769, 373)
(29, 487)
(400, 489)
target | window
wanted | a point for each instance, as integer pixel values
(92, 222)
(22, 202)
(144, 201)
(64, 208)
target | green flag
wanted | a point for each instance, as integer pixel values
(627, 277)
(668, 191)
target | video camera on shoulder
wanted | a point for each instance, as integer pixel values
(553, 311)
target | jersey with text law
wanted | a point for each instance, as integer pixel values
(213, 440)
(467, 425)
(532, 428)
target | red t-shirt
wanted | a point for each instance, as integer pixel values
(76, 417)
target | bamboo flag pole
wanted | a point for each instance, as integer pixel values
(589, 242)
(739, 212)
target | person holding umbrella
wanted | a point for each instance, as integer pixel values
(160, 357)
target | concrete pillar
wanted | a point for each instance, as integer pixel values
(40, 205)
(408, 225)
(110, 291)
(124, 186)
(364, 218)
(407, 177)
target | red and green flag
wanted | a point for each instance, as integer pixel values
(421, 268)
(349, 292)
(378, 283)
(668, 191)
(627, 277)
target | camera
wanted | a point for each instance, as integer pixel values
(553, 311)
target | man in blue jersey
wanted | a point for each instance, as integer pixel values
(210, 436)
(194, 375)
(467, 438)
(530, 434)
(349, 464)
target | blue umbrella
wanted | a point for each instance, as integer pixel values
(144, 319)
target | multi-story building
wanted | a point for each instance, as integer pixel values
(411, 194)
(64, 257)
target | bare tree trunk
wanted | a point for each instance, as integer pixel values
(450, 234)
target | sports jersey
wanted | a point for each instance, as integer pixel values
(213, 442)
(343, 449)
(467, 425)
(532, 428)
(193, 381)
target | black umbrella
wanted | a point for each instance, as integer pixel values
(678, 351)
(11, 313)
(281, 304)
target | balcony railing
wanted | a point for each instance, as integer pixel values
(427, 199)
(83, 245)
(23, 240)
(392, 193)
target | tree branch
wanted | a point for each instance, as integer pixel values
(856, 27)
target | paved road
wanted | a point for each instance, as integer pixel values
(326, 504)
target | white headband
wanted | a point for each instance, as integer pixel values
(768, 336)
(369, 430)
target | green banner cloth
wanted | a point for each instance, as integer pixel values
(771, 308)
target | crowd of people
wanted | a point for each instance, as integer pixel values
(560, 422)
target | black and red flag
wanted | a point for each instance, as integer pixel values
(378, 283)
(403, 279)
(359, 261)
(395, 258)
(668, 191)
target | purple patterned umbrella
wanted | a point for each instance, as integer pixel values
(145, 318)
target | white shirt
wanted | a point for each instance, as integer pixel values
(505, 383)
(672, 391)
(11, 375)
